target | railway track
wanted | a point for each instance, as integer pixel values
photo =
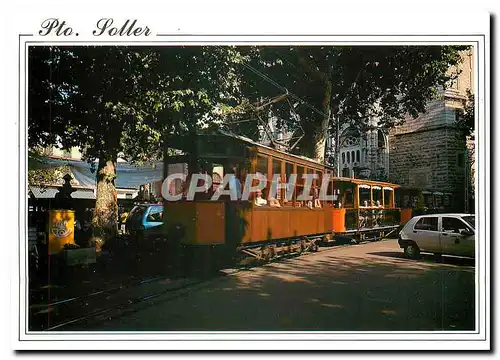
(73, 313)
(60, 313)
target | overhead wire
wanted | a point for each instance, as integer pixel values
(282, 88)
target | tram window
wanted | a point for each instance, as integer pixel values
(288, 172)
(348, 197)
(261, 164)
(335, 191)
(277, 167)
(300, 172)
(446, 200)
(277, 171)
(319, 179)
(407, 202)
(177, 186)
(428, 200)
(387, 198)
(261, 169)
(300, 182)
(217, 175)
(364, 196)
(377, 195)
(439, 201)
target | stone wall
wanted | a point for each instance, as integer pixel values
(427, 153)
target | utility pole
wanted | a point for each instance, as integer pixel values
(467, 180)
(337, 147)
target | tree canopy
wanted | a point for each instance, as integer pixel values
(350, 84)
(111, 100)
(122, 99)
(466, 117)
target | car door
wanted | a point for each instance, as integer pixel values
(453, 238)
(426, 235)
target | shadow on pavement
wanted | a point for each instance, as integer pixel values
(368, 287)
(451, 260)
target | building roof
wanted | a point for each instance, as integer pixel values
(129, 176)
(49, 192)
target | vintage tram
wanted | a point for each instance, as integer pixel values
(209, 231)
(415, 201)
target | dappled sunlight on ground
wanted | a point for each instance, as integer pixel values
(368, 287)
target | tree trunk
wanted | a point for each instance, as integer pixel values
(321, 131)
(105, 219)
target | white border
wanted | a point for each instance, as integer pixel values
(435, 23)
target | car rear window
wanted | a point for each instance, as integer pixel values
(427, 223)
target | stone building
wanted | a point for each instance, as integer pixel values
(425, 153)
(429, 153)
(364, 155)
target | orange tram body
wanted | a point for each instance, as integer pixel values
(360, 209)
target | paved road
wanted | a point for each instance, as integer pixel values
(368, 287)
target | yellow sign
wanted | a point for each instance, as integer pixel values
(61, 229)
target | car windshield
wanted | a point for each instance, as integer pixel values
(471, 220)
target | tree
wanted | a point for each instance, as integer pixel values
(348, 84)
(466, 117)
(111, 100)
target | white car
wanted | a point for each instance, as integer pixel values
(449, 234)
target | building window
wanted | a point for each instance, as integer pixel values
(343, 158)
(357, 155)
(352, 155)
(348, 157)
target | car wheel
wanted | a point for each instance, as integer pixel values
(412, 251)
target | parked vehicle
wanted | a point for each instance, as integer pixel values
(144, 222)
(449, 234)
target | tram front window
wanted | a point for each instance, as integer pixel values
(348, 197)
(388, 194)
